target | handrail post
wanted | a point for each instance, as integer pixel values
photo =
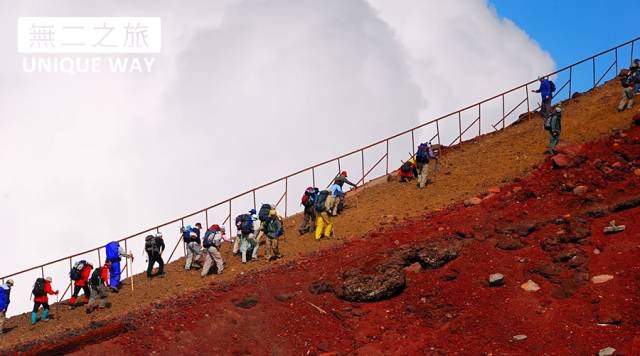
(286, 195)
(459, 127)
(362, 161)
(206, 218)
(230, 223)
(438, 130)
(570, 80)
(526, 92)
(631, 59)
(126, 263)
(99, 258)
(413, 144)
(42, 271)
(503, 118)
(339, 169)
(479, 120)
(387, 169)
(254, 202)
(593, 71)
(616, 61)
(313, 176)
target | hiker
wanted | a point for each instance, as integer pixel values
(236, 241)
(340, 180)
(5, 294)
(634, 70)
(41, 290)
(154, 246)
(114, 254)
(211, 242)
(324, 223)
(307, 201)
(99, 283)
(546, 90)
(80, 274)
(407, 171)
(273, 229)
(192, 240)
(247, 226)
(552, 124)
(627, 82)
(423, 155)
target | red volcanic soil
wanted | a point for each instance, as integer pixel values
(535, 229)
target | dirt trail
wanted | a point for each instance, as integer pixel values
(466, 171)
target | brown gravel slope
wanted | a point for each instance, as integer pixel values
(465, 171)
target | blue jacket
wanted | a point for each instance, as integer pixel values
(5, 291)
(545, 89)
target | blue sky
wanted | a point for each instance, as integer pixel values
(572, 29)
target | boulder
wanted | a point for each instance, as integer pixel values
(580, 190)
(496, 279)
(414, 268)
(603, 278)
(530, 286)
(370, 287)
(247, 302)
(494, 190)
(472, 201)
(607, 351)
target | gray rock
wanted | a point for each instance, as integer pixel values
(520, 337)
(607, 351)
(496, 279)
(530, 286)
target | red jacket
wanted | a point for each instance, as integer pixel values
(104, 275)
(47, 290)
(86, 274)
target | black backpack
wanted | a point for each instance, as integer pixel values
(422, 156)
(552, 86)
(244, 223)
(321, 200)
(406, 167)
(76, 271)
(150, 244)
(96, 279)
(263, 214)
(38, 288)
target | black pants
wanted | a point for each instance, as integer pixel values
(37, 305)
(153, 258)
(77, 289)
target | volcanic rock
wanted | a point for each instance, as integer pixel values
(509, 243)
(607, 351)
(530, 286)
(520, 337)
(472, 201)
(580, 190)
(603, 278)
(247, 302)
(496, 279)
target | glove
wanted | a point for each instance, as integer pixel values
(57, 292)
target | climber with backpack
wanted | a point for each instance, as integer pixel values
(154, 246)
(308, 200)
(114, 252)
(80, 274)
(337, 188)
(546, 89)
(552, 123)
(5, 300)
(246, 226)
(191, 238)
(273, 229)
(407, 171)
(41, 290)
(99, 284)
(324, 223)
(423, 155)
(628, 90)
(212, 242)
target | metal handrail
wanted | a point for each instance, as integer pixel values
(361, 150)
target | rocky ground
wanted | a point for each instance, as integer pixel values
(418, 281)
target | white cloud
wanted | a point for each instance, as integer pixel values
(244, 91)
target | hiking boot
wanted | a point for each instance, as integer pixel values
(114, 290)
(89, 310)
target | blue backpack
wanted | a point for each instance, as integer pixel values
(422, 156)
(244, 223)
(113, 254)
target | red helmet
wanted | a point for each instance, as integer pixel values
(215, 227)
(343, 173)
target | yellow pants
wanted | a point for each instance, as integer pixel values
(324, 225)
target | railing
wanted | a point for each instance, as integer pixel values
(432, 130)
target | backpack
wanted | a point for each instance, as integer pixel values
(244, 223)
(274, 228)
(113, 253)
(406, 167)
(209, 236)
(321, 200)
(422, 156)
(547, 123)
(552, 86)
(263, 214)
(96, 279)
(309, 197)
(76, 271)
(38, 288)
(150, 244)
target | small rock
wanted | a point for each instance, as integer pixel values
(472, 201)
(609, 317)
(246, 302)
(637, 172)
(530, 286)
(603, 278)
(358, 312)
(596, 251)
(414, 268)
(580, 190)
(323, 346)
(560, 161)
(283, 297)
(494, 190)
(496, 279)
(607, 351)
(520, 337)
